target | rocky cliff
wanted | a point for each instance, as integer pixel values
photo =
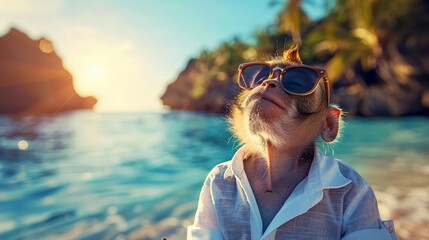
(33, 80)
(189, 93)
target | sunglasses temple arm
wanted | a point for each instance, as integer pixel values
(328, 91)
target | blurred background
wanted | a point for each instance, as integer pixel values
(113, 112)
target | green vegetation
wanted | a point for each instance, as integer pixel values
(220, 64)
(376, 39)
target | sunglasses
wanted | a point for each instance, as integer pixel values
(300, 80)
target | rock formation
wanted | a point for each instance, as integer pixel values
(33, 80)
(183, 93)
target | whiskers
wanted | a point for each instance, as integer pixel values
(327, 148)
(235, 142)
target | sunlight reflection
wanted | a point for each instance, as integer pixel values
(23, 145)
(112, 210)
(7, 225)
(87, 176)
(118, 221)
(48, 201)
(46, 46)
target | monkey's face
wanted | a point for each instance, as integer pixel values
(268, 105)
(292, 112)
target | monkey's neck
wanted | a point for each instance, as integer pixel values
(292, 165)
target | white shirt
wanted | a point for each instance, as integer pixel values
(332, 202)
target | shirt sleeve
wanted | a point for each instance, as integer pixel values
(362, 220)
(205, 224)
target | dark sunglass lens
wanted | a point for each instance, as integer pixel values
(254, 75)
(299, 80)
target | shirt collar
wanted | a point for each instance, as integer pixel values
(236, 168)
(324, 172)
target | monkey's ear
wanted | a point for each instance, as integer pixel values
(292, 54)
(332, 124)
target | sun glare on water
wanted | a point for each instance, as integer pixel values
(23, 145)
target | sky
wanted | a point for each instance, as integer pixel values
(126, 52)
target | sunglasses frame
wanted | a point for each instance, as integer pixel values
(322, 74)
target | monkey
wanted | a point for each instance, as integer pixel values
(279, 185)
(264, 126)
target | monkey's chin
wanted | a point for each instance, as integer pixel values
(259, 121)
(265, 111)
(261, 130)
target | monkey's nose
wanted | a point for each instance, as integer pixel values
(270, 83)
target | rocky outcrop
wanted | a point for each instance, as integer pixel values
(399, 85)
(189, 93)
(33, 80)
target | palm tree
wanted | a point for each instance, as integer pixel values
(382, 41)
(362, 31)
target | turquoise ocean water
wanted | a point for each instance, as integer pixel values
(85, 175)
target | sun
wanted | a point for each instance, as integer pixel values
(95, 72)
(90, 78)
